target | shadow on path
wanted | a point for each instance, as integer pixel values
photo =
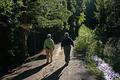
(78, 56)
(55, 75)
(29, 72)
(39, 57)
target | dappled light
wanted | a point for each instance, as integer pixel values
(59, 39)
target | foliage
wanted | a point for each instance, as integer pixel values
(77, 8)
(89, 11)
(84, 39)
(47, 16)
(104, 12)
(71, 5)
(111, 53)
(10, 12)
(82, 18)
(87, 45)
(48, 13)
(6, 7)
(107, 17)
(102, 40)
(49, 23)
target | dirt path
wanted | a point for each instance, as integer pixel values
(38, 70)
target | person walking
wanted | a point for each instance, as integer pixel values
(49, 47)
(66, 45)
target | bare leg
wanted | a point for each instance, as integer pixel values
(51, 54)
(47, 55)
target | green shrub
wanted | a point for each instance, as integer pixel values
(87, 44)
(111, 53)
(84, 39)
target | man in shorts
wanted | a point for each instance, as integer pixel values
(49, 47)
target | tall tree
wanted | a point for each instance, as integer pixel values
(48, 13)
(76, 7)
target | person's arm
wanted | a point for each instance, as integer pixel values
(53, 44)
(72, 43)
(61, 45)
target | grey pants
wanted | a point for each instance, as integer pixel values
(67, 50)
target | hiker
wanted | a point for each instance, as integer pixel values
(49, 47)
(66, 45)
